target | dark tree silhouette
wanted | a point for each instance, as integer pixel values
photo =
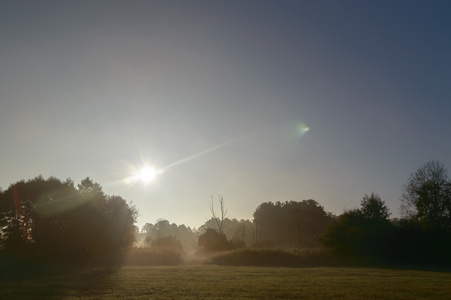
(427, 196)
(213, 240)
(291, 224)
(270, 224)
(346, 235)
(308, 221)
(374, 208)
(54, 220)
(362, 231)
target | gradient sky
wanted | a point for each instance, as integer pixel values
(215, 93)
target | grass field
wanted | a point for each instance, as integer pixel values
(218, 282)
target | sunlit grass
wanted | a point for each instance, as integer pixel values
(216, 282)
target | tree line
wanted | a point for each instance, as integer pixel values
(421, 235)
(56, 219)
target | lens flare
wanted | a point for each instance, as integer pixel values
(302, 128)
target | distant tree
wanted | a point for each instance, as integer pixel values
(308, 221)
(210, 223)
(347, 235)
(213, 240)
(147, 228)
(188, 238)
(362, 231)
(221, 218)
(374, 208)
(168, 242)
(164, 231)
(270, 221)
(239, 231)
(291, 223)
(427, 196)
(163, 228)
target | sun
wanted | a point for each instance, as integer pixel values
(147, 174)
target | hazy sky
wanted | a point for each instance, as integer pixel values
(216, 93)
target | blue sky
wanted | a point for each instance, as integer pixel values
(93, 88)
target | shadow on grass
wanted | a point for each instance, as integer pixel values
(28, 279)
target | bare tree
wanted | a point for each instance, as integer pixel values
(220, 220)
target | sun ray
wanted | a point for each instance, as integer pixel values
(183, 160)
(148, 174)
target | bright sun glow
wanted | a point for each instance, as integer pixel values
(147, 174)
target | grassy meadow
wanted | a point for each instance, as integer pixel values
(202, 281)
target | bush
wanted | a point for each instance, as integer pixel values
(276, 257)
(409, 242)
(213, 240)
(354, 233)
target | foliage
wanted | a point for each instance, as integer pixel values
(367, 232)
(213, 240)
(291, 224)
(257, 257)
(55, 220)
(360, 231)
(427, 196)
(276, 257)
(239, 232)
(410, 242)
(163, 228)
(374, 208)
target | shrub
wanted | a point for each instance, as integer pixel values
(213, 240)
(275, 257)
